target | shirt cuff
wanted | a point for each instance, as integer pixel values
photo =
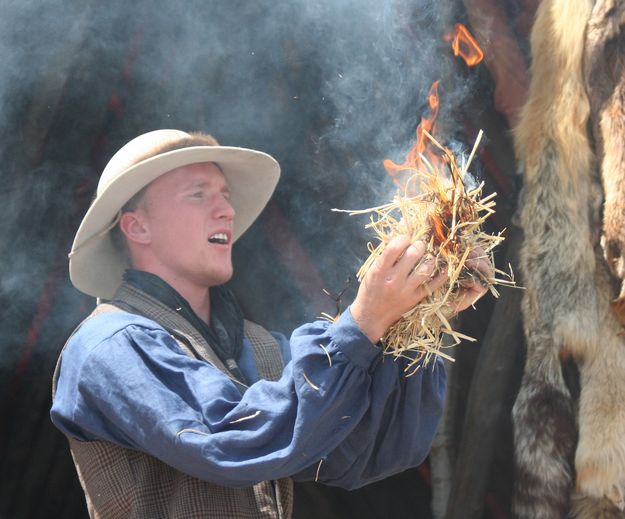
(352, 342)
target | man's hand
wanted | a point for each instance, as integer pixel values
(472, 290)
(401, 278)
(398, 280)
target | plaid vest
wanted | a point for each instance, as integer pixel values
(125, 483)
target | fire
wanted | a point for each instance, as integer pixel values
(465, 46)
(421, 147)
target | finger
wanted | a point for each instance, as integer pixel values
(393, 251)
(480, 271)
(479, 261)
(469, 296)
(478, 252)
(424, 269)
(428, 287)
(438, 281)
(411, 256)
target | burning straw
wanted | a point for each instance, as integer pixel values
(448, 216)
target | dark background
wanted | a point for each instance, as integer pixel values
(329, 88)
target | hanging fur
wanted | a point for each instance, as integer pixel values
(604, 72)
(562, 444)
(600, 456)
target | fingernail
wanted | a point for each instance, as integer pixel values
(427, 259)
(425, 264)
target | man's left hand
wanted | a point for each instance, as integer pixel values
(474, 288)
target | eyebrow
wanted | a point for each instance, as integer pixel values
(203, 184)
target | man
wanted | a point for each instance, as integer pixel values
(174, 405)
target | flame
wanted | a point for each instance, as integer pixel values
(440, 230)
(465, 46)
(413, 161)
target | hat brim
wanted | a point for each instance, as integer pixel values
(96, 267)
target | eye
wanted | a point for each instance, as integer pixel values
(197, 194)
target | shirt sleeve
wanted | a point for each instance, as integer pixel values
(395, 432)
(138, 389)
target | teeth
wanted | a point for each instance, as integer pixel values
(220, 237)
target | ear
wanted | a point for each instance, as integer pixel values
(135, 228)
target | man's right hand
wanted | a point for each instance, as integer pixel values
(397, 281)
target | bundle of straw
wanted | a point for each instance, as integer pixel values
(448, 217)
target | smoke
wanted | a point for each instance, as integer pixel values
(330, 88)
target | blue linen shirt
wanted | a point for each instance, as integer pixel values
(124, 379)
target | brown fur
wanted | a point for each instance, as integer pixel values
(604, 72)
(600, 455)
(566, 305)
(585, 507)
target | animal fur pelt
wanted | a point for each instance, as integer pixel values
(604, 73)
(569, 452)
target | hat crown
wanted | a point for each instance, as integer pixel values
(135, 151)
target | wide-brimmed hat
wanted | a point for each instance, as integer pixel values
(96, 265)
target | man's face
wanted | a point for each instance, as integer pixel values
(190, 222)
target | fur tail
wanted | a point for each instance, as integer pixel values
(544, 438)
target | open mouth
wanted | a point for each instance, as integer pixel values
(219, 238)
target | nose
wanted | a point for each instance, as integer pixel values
(223, 209)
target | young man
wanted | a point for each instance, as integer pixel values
(174, 405)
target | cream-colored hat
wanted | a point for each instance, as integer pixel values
(95, 265)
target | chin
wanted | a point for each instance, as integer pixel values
(221, 278)
(226, 278)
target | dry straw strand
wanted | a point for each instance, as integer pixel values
(449, 218)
